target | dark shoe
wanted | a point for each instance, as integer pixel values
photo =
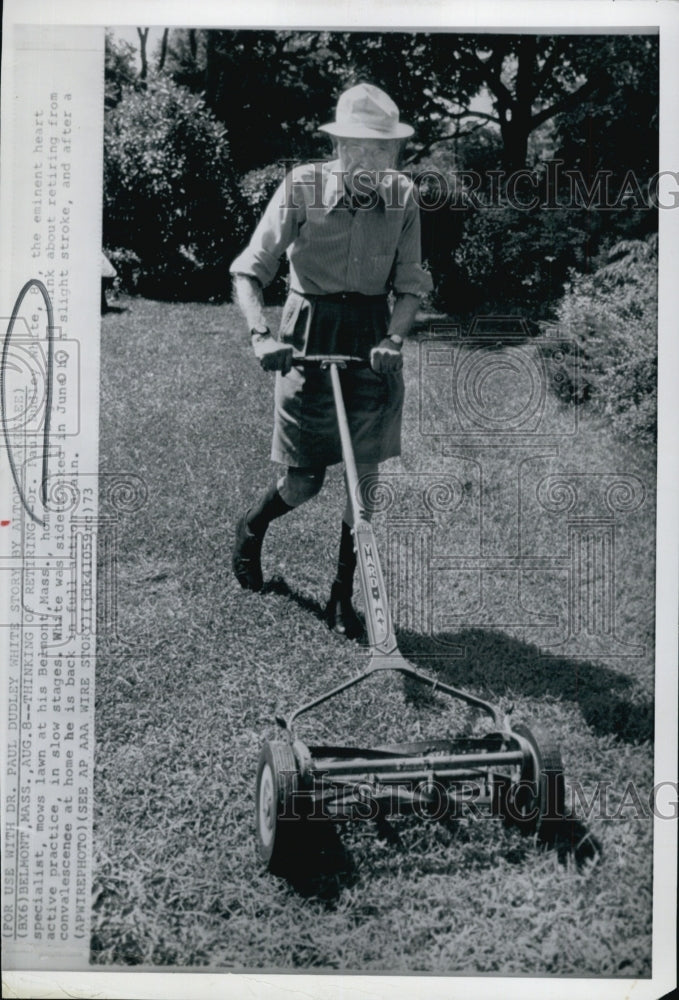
(342, 618)
(246, 559)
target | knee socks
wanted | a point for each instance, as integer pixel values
(295, 488)
(346, 564)
(266, 509)
(271, 505)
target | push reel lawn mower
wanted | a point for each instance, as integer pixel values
(507, 773)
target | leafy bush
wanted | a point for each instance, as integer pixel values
(509, 260)
(127, 265)
(119, 68)
(169, 194)
(612, 317)
(256, 188)
(489, 255)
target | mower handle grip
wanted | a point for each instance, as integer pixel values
(325, 360)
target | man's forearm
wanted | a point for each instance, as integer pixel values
(250, 300)
(403, 316)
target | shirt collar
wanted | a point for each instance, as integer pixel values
(334, 189)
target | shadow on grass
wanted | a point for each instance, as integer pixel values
(570, 837)
(278, 585)
(322, 866)
(496, 663)
(499, 664)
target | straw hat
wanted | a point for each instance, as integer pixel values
(366, 112)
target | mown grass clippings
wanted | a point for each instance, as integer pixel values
(189, 691)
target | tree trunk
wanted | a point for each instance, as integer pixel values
(518, 125)
(143, 38)
(515, 143)
(163, 50)
(211, 69)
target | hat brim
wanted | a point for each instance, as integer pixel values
(401, 131)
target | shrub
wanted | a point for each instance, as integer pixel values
(127, 265)
(489, 254)
(169, 194)
(612, 317)
(256, 189)
(509, 260)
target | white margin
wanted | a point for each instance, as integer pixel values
(477, 16)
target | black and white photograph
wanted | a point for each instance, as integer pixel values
(333, 506)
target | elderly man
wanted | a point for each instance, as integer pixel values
(351, 230)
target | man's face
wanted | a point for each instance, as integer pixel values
(368, 158)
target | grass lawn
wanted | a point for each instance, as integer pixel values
(189, 690)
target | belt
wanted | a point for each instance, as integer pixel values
(342, 297)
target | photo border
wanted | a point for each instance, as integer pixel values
(572, 15)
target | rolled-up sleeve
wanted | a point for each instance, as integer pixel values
(409, 277)
(277, 229)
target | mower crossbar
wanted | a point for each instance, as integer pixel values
(339, 808)
(342, 798)
(399, 768)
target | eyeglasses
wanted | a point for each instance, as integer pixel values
(355, 148)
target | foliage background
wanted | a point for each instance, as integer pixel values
(478, 103)
(611, 315)
(198, 136)
(161, 203)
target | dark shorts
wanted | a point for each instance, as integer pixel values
(305, 423)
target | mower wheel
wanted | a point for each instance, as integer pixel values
(276, 822)
(538, 803)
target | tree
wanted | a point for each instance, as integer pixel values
(119, 69)
(530, 79)
(162, 55)
(616, 131)
(170, 197)
(143, 34)
(286, 81)
(270, 89)
(276, 86)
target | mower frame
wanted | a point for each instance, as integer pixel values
(510, 773)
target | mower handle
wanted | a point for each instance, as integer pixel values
(324, 361)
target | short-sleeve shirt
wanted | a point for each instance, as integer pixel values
(334, 244)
